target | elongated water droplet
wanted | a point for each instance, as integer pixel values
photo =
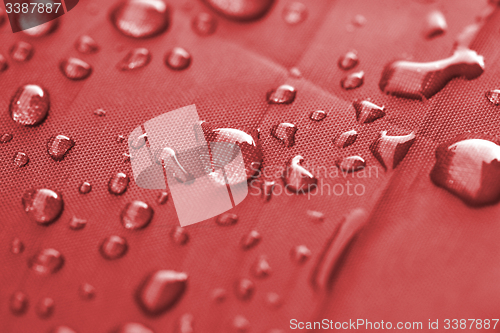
(86, 45)
(30, 105)
(100, 112)
(135, 59)
(353, 81)
(178, 59)
(244, 289)
(390, 150)
(367, 112)
(21, 51)
(226, 219)
(297, 178)
(162, 198)
(316, 216)
(30, 27)
(114, 247)
(345, 139)
(267, 189)
(3, 63)
(351, 164)
(75, 69)
(300, 254)
(6, 138)
(62, 329)
(242, 10)
(250, 240)
(219, 295)
(241, 324)
(186, 323)
(436, 24)
(86, 291)
(46, 261)
(141, 18)
(43, 205)
(285, 132)
(422, 80)
(261, 268)
(58, 146)
(136, 215)
(179, 235)
(318, 115)
(76, 223)
(45, 307)
(132, 328)
(295, 72)
(160, 291)
(18, 303)
(273, 299)
(85, 188)
(348, 60)
(295, 13)
(21, 159)
(17, 246)
(204, 24)
(118, 183)
(285, 94)
(493, 96)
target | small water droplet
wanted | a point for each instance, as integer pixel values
(21, 51)
(244, 10)
(261, 268)
(273, 299)
(241, 324)
(43, 205)
(318, 115)
(135, 59)
(136, 215)
(226, 219)
(100, 112)
(316, 216)
(126, 157)
(178, 59)
(3, 63)
(295, 13)
(351, 164)
(118, 183)
(179, 235)
(58, 146)
(132, 328)
(46, 261)
(17, 246)
(390, 150)
(493, 96)
(348, 60)
(267, 189)
(295, 72)
(75, 69)
(18, 303)
(297, 178)
(359, 20)
(85, 188)
(114, 247)
(204, 24)
(29, 105)
(86, 291)
(285, 94)
(436, 24)
(250, 240)
(31, 28)
(300, 254)
(45, 307)
(76, 223)
(21, 159)
(162, 198)
(120, 138)
(160, 291)
(353, 80)
(367, 112)
(141, 18)
(345, 139)
(219, 295)
(86, 45)
(285, 132)
(186, 322)
(6, 138)
(244, 289)
(62, 329)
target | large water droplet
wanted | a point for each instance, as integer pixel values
(422, 80)
(21, 159)
(132, 328)
(295, 13)
(226, 219)
(86, 45)
(436, 24)
(19, 303)
(76, 223)
(493, 96)
(241, 10)
(261, 268)
(38, 30)
(6, 138)
(17, 246)
(179, 235)
(46, 261)
(86, 291)
(114, 247)
(267, 189)
(244, 289)
(186, 323)
(21, 51)
(318, 115)
(241, 324)
(62, 329)
(300, 254)
(75, 69)
(351, 164)
(136, 215)
(297, 178)
(141, 18)
(348, 60)
(135, 59)
(85, 188)
(118, 183)
(160, 291)
(353, 80)
(45, 307)
(43, 205)
(345, 139)
(29, 105)
(3, 63)
(58, 146)
(285, 132)
(390, 150)
(178, 59)
(204, 24)
(162, 198)
(367, 112)
(250, 240)
(285, 94)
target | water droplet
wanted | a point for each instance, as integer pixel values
(436, 24)
(261, 268)
(178, 59)
(219, 295)
(295, 13)
(297, 178)
(45, 308)
(353, 80)
(19, 303)
(85, 188)
(58, 146)
(21, 51)
(21, 159)
(186, 323)
(132, 328)
(86, 291)
(493, 96)
(300, 254)
(285, 132)
(179, 235)
(345, 139)
(351, 164)
(76, 223)
(285, 94)
(276, 330)
(100, 112)
(267, 189)
(244, 10)
(75, 69)
(3, 63)
(141, 18)
(241, 324)
(135, 59)
(250, 240)
(28, 26)
(273, 299)
(62, 329)
(316, 216)
(86, 45)
(30, 105)
(6, 138)
(126, 157)
(160, 291)
(390, 150)
(204, 24)
(348, 60)
(136, 215)
(367, 112)
(226, 219)
(244, 289)
(295, 72)
(162, 198)
(359, 20)
(114, 247)
(118, 183)
(46, 261)
(318, 115)
(43, 205)
(17, 246)
(422, 80)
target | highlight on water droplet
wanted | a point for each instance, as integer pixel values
(250, 240)
(226, 219)
(118, 183)
(351, 164)
(85, 188)
(120, 138)
(219, 295)
(21, 159)
(186, 323)
(178, 59)
(297, 179)
(135, 59)
(295, 72)
(43, 205)
(39, 30)
(390, 150)
(367, 112)
(3, 63)
(261, 268)
(21, 51)
(46, 261)
(62, 329)
(179, 235)
(30, 105)
(114, 247)
(300, 254)
(86, 291)
(318, 115)
(6, 138)
(16, 246)
(267, 189)
(284, 94)
(359, 20)
(58, 146)
(204, 24)
(244, 289)
(345, 139)
(285, 132)
(136, 215)
(244, 10)
(241, 324)
(493, 96)
(76, 223)
(45, 307)
(348, 60)
(436, 24)
(100, 112)
(75, 69)
(295, 13)
(162, 198)
(273, 299)
(316, 216)
(353, 80)
(18, 303)
(86, 45)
